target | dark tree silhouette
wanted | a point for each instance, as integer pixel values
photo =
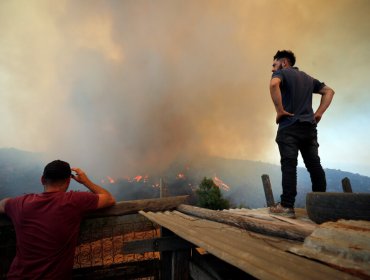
(210, 196)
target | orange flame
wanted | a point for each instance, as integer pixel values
(180, 176)
(219, 183)
(111, 180)
(138, 178)
(108, 180)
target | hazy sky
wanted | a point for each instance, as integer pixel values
(129, 86)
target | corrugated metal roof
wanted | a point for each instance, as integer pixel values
(261, 256)
(344, 244)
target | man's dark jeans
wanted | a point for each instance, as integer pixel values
(300, 136)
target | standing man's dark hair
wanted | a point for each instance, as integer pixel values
(291, 92)
(289, 55)
(47, 224)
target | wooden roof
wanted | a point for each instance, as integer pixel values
(262, 256)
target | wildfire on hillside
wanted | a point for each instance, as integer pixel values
(180, 176)
(219, 183)
(108, 180)
(137, 178)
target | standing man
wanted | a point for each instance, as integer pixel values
(291, 92)
(47, 224)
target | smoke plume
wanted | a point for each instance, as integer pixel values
(120, 86)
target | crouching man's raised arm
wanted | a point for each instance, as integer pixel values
(105, 197)
(2, 204)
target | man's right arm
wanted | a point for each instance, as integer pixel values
(277, 100)
(326, 97)
(2, 204)
(105, 197)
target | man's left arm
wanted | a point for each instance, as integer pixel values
(326, 97)
(2, 204)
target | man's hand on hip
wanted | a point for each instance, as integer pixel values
(281, 114)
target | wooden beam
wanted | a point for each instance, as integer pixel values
(268, 191)
(114, 217)
(134, 206)
(169, 243)
(273, 228)
(198, 273)
(129, 270)
(166, 257)
(180, 265)
(175, 263)
(251, 253)
(127, 207)
(207, 266)
(343, 244)
(346, 185)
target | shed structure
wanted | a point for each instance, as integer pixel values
(262, 256)
(166, 239)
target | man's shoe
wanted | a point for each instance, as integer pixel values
(280, 210)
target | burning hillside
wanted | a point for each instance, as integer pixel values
(240, 179)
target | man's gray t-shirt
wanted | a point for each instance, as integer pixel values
(296, 92)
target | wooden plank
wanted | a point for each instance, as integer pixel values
(198, 273)
(169, 243)
(216, 268)
(307, 224)
(180, 265)
(273, 228)
(344, 244)
(131, 270)
(252, 255)
(127, 207)
(268, 191)
(250, 213)
(134, 206)
(166, 257)
(174, 264)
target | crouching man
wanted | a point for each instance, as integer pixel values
(47, 224)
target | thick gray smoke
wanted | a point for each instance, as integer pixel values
(129, 86)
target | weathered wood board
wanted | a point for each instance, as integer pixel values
(344, 244)
(271, 227)
(251, 253)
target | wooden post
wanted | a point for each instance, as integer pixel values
(175, 265)
(346, 184)
(160, 188)
(268, 191)
(166, 258)
(180, 265)
(163, 192)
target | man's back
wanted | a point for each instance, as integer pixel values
(47, 227)
(297, 88)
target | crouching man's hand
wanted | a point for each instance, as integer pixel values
(105, 197)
